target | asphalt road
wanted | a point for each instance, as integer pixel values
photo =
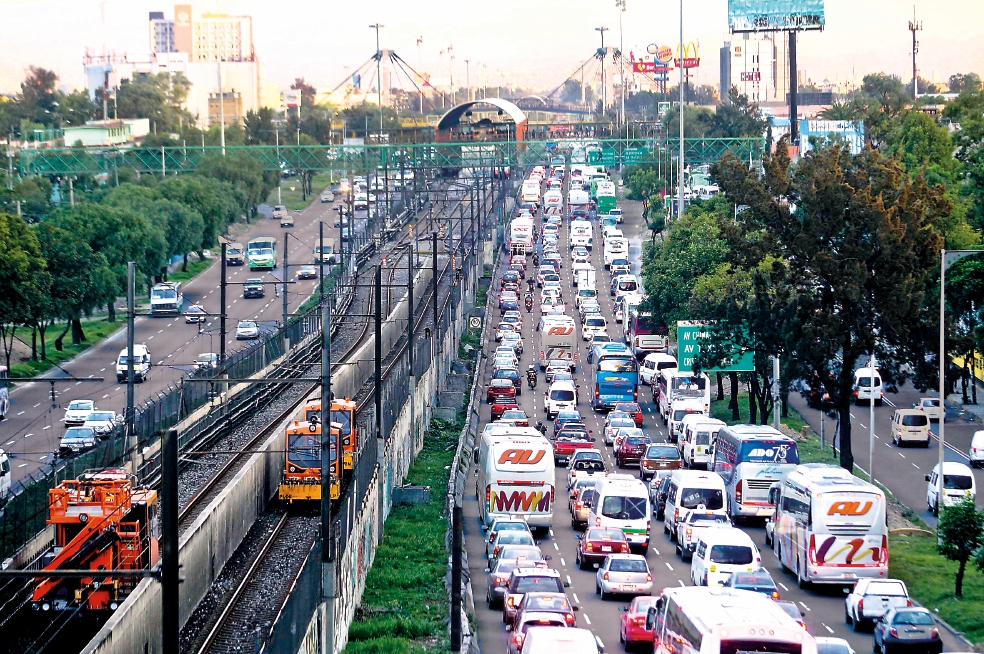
(823, 608)
(31, 434)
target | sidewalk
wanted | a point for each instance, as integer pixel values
(972, 412)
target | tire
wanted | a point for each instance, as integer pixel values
(605, 596)
(679, 550)
(597, 588)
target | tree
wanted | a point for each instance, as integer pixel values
(216, 201)
(242, 172)
(75, 109)
(964, 82)
(925, 87)
(39, 95)
(960, 533)
(839, 111)
(259, 127)
(922, 144)
(157, 97)
(737, 117)
(698, 122)
(878, 102)
(22, 276)
(858, 250)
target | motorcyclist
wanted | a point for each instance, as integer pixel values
(530, 284)
(536, 260)
(531, 377)
(529, 303)
(540, 427)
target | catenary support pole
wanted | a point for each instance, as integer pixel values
(378, 311)
(327, 539)
(434, 278)
(222, 306)
(793, 84)
(131, 432)
(170, 566)
(456, 538)
(286, 307)
(321, 262)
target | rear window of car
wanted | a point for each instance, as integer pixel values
(958, 482)
(536, 584)
(885, 588)
(562, 395)
(731, 554)
(634, 440)
(913, 618)
(628, 565)
(554, 603)
(662, 452)
(605, 534)
(914, 421)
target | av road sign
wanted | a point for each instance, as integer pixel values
(631, 156)
(603, 157)
(692, 336)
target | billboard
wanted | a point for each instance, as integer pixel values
(775, 15)
(692, 336)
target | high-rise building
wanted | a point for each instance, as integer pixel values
(213, 37)
(161, 33)
(756, 65)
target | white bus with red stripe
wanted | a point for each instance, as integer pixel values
(521, 235)
(558, 342)
(829, 527)
(516, 477)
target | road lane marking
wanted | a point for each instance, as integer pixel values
(804, 606)
(862, 425)
(828, 629)
(574, 595)
(21, 413)
(668, 566)
(901, 455)
(915, 466)
(680, 581)
(12, 442)
(47, 427)
(563, 563)
(37, 405)
(569, 582)
(29, 435)
(587, 619)
(656, 550)
(783, 586)
(105, 396)
(22, 465)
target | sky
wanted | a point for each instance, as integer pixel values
(507, 41)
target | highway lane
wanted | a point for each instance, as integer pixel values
(823, 608)
(34, 428)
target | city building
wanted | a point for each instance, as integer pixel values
(107, 133)
(214, 51)
(757, 64)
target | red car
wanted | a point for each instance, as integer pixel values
(500, 389)
(630, 450)
(631, 408)
(597, 543)
(501, 406)
(568, 441)
(633, 621)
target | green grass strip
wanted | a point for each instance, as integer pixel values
(405, 603)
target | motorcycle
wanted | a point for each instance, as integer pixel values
(531, 380)
(536, 261)
(529, 304)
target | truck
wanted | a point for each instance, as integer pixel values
(558, 342)
(586, 278)
(872, 598)
(166, 299)
(521, 235)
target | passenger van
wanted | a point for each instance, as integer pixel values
(235, 254)
(325, 253)
(697, 439)
(4, 477)
(958, 483)
(652, 364)
(550, 640)
(868, 386)
(623, 503)
(516, 477)
(141, 364)
(719, 553)
(691, 490)
(910, 426)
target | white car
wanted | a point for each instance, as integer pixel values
(593, 324)
(615, 424)
(78, 411)
(514, 340)
(327, 196)
(101, 422)
(931, 407)
(247, 329)
(625, 574)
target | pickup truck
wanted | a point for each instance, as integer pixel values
(566, 442)
(872, 598)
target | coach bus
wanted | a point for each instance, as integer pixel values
(646, 334)
(516, 477)
(750, 458)
(616, 377)
(261, 253)
(716, 620)
(829, 527)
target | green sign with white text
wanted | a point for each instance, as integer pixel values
(632, 156)
(603, 157)
(692, 336)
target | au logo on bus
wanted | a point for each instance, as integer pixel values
(521, 457)
(848, 508)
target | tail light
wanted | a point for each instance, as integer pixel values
(908, 602)
(813, 550)
(689, 532)
(935, 633)
(883, 555)
(498, 581)
(578, 505)
(491, 536)
(625, 547)
(551, 494)
(495, 550)
(649, 577)
(597, 392)
(511, 603)
(775, 594)
(861, 607)
(639, 620)
(738, 491)
(518, 639)
(488, 497)
(605, 576)
(893, 632)
(676, 513)
(589, 547)
(569, 618)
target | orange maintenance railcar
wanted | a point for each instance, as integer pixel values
(302, 477)
(343, 413)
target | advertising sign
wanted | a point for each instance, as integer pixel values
(687, 56)
(643, 66)
(291, 98)
(691, 336)
(775, 15)
(662, 53)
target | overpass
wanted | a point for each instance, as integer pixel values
(55, 162)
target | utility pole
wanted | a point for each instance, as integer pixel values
(621, 63)
(915, 26)
(793, 89)
(328, 592)
(170, 568)
(379, 79)
(468, 93)
(221, 112)
(131, 432)
(222, 307)
(286, 275)
(682, 102)
(321, 259)
(379, 354)
(604, 85)
(434, 280)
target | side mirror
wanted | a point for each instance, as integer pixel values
(487, 571)
(927, 477)
(623, 609)
(567, 584)
(578, 537)
(574, 608)
(508, 627)
(547, 558)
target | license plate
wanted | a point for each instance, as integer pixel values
(606, 549)
(630, 588)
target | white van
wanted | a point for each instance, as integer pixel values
(910, 426)
(691, 490)
(698, 436)
(976, 454)
(652, 364)
(958, 483)
(868, 386)
(4, 477)
(550, 640)
(623, 503)
(141, 364)
(679, 410)
(721, 552)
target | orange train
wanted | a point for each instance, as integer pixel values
(101, 523)
(302, 476)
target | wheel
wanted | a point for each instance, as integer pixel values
(679, 551)
(597, 588)
(856, 624)
(936, 508)
(847, 616)
(605, 596)
(666, 530)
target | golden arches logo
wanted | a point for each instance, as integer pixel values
(687, 55)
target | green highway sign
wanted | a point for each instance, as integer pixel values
(632, 156)
(604, 157)
(692, 335)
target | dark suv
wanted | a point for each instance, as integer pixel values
(253, 288)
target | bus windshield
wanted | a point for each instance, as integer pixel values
(611, 364)
(769, 452)
(163, 294)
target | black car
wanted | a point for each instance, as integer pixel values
(512, 375)
(658, 496)
(253, 288)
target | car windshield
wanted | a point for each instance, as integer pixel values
(552, 603)
(80, 405)
(100, 416)
(731, 554)
(247, 324)
(662, 452)
(958, 482)
(913, 618)
(711, 498)
(624, 508)
(628, 565)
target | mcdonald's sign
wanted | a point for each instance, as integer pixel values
(687, 56)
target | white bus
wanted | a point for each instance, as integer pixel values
(750, 458)
(829, 527)
(673, 385)
(616, 247)
(558, 342)
(521, 236)
(516, 477)
(709, 620)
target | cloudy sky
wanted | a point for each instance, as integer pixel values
(536, 44)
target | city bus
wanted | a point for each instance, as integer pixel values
(261, 253)
(616, 377)
(829, 526)
(646, 334)
(715, 620)
(750, 458)
(516, 477)
(605, 197)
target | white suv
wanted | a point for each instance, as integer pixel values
(561, 395)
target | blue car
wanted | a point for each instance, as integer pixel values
(565, 417)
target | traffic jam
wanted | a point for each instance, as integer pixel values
(610, 505)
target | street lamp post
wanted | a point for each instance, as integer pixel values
(682, 100)
(946, 256)
(379, 79)
(621, 64)
(604, 86)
